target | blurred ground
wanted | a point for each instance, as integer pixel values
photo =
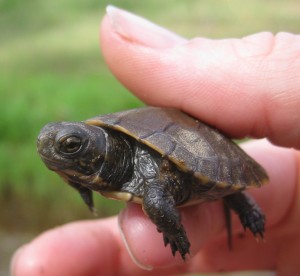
(51, 69)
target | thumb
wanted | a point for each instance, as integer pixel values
(247, 86)
(205, 224)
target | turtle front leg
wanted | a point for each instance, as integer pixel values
(248, 211)
(160, 207)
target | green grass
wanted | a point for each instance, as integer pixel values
(51, 69)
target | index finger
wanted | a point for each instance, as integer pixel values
(247, 86)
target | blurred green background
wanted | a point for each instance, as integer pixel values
(51, 69)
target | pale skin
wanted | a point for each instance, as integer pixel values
(245, 87)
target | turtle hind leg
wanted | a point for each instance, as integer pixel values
(160, 207)
(248, 211)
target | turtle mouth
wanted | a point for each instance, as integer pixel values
(53, 165)
(61, 168)
(72, 176)
(57, 164)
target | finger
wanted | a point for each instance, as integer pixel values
(246, 86)
(82, 248)
(205, 223)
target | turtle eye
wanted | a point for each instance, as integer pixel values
(69, 145)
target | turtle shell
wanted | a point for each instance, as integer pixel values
(193, 146)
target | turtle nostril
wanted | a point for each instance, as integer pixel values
(40, 140)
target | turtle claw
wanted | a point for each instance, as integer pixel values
(166, 241)
(249, 213)
(260, 239)
(254, 220)
(178, 242)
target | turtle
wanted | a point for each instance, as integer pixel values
(159, 157)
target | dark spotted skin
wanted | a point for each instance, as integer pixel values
(112, 154)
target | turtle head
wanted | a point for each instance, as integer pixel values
(76, 151)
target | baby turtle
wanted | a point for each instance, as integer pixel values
(159, 157)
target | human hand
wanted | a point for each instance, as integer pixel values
(244, 87)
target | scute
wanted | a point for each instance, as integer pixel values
(192, 145)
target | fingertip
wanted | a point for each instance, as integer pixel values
(82, 248)
(136, 29)
(16, 263)
(30, 260)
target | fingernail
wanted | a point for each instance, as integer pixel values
(122, 216)
(141, 31)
